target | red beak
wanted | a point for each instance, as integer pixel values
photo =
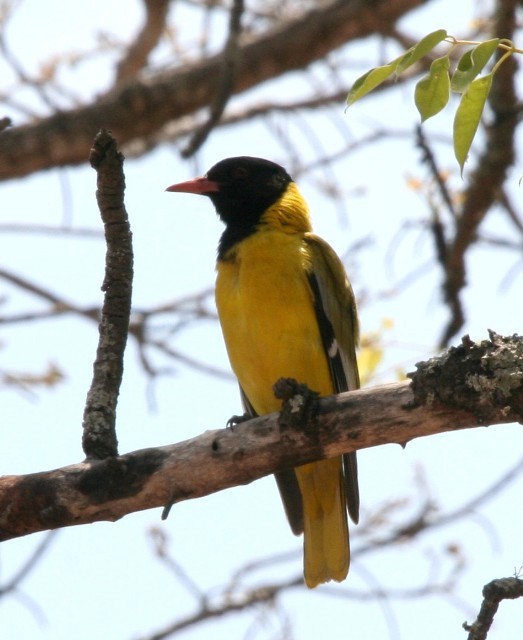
(201, 186)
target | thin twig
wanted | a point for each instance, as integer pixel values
(99, 433)
(242, 601)
(226, 600)
(23, 77)
(50, 230)
(490, 173)
(31, 287)
(505, 202)
(225, 86)
(493, 593)
(429, 159)
(34, 557)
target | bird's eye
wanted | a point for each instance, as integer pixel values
(240, 173)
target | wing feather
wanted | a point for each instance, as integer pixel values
(335, 307)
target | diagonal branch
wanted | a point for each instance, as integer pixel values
(474, 384)
(138, 53)
(142, 107)
(229, 66)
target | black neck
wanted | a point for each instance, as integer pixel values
(233, 235)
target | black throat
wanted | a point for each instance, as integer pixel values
(240, 223)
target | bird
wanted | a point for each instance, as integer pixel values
(287, 309)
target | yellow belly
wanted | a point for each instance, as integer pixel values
(269, 324)
(267, 317)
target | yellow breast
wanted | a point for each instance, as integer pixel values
(267, 316)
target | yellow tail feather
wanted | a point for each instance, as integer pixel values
(326, 534)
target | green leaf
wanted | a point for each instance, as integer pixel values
(420, 50)
(433, 90)
(463, 74)
(369, 81)
(472, 63)
(468, 115)
(483, 52)
(373, 78)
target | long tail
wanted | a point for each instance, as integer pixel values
(326, 535)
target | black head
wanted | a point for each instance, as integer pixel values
(241, 189)
(246, 188)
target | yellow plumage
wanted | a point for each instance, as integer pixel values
(261, 283)
(326, 534)
(266, 311)
(287, 310)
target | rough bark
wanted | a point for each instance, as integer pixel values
(471, 385)
(493, 594)
(99, 422)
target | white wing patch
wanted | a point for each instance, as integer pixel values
(333, 349)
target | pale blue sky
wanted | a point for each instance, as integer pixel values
(102, 580)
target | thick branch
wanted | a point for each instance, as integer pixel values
(472, 385)
(141, 108)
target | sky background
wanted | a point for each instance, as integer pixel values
(103, 580)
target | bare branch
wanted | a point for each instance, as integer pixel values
(141, 108)
(50, 230)
(493, 593)
(138, 53)
(488, 177)
(31, 287)
(29, 564)
(181, 312)
(229, 65)
(23, 77)
(471, 385)
(382, 533)
(232, 603)
(426, 520)
(513, 215)
(99, 433)
(430, 160)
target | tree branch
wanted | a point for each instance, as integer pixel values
(493, 593)
(487, 179)
(142, 107)
(230, 59)
(99, 432)
(471, 385)
(136, 55)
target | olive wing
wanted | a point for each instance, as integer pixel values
(335, 307)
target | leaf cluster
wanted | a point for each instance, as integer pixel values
(433, 90)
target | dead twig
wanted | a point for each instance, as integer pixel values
(99, 433)
(229, 65)
(493, 593)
